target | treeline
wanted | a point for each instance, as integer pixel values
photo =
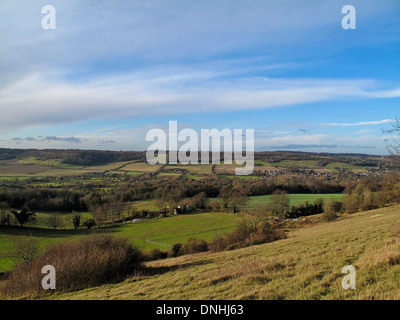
(46, 199)
(78, 196)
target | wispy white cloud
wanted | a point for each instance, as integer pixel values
(361, 123)
(39, 99)
(144, 58)
(41, 142)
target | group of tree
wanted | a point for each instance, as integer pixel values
(168, 191)
(43, 198)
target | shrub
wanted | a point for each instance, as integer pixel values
(247, 234)
(214, 206)
(76, 221)
(194, 246)
(267, 232)
(90, 261)
(25, 248)
(156, 254)
(89, 223)
(218, 244)
(239, 237)
(176, 250)
(331, 210)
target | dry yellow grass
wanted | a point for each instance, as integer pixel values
(307, 265)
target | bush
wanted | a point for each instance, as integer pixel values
(25, 248)
(194, 246)
(90, 261)
(239, 237)
(267, 232)
(331, 210)
(156, 254)
(89, 223)
(214, 206)
(247, 234)
(218, 244)
(176, 250)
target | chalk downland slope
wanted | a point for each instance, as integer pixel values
(307, 265)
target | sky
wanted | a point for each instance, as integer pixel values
(111, 71)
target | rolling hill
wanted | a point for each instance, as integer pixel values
(307, 265)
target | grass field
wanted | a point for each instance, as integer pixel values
(334, 166)
(141, 167)
(309, 164)
(163, 233)
(50, 163)
(148, 234)
(22, 169)
(307, 265)
(192, 168)
(295, 199)
(109, 166)
(45, 237)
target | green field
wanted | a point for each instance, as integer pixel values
(334, 166)
(148, 234)
(141, 167)
(45, 237)
(149, 205)
(309, 164)
(50, 163)
(191, 168)
(295, 199)
(163, 233)
(109, 166)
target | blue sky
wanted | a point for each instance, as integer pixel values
(112, 70)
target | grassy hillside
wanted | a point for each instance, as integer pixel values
(307, 265)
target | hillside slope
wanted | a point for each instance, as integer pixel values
(307, 265)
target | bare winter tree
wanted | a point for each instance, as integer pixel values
(55, 221)
(25, 248)
(394, 146)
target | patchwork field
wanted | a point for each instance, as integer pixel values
(34, 167)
